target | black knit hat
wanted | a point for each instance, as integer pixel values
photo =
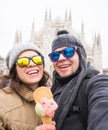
(64, 39)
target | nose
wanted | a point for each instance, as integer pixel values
(31, 63)
(62, 57)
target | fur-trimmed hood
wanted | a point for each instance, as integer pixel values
(21, 89)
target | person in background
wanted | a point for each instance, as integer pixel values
(71, 74)
(26, 73)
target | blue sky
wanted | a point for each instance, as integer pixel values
(19, 15)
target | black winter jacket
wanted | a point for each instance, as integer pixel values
(96, 94)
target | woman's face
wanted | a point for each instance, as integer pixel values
(32, 73)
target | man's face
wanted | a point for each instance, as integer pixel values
(66, 66)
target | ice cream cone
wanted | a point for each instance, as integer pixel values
(44, 93)
(46, 120)
(38, 94)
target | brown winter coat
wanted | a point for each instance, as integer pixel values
(15, 112)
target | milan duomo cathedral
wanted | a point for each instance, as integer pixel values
(46, 35)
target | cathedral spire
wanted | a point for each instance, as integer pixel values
(68, 21)
(18, 37)
(46, 17)
(97, 52)
(82, 28)
(70, 16)
(66, 15)
(82, 33)
(32, 32)
(98, 39)
(50, 15)
(95, 38)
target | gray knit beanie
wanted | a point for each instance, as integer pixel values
(19, 48)
(64, 39)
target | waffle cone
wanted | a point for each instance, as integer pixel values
(42, 92)
(46, 120)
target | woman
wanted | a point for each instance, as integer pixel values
(26, 73)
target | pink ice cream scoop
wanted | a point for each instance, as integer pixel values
(49, 106)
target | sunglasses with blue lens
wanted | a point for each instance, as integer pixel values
(67, 53)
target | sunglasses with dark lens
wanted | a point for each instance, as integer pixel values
(67, 53)
(24, 61)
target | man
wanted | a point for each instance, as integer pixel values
(72, 74)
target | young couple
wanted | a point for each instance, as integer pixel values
(71, 72)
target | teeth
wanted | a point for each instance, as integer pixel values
(33, 72)
(64, 66)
